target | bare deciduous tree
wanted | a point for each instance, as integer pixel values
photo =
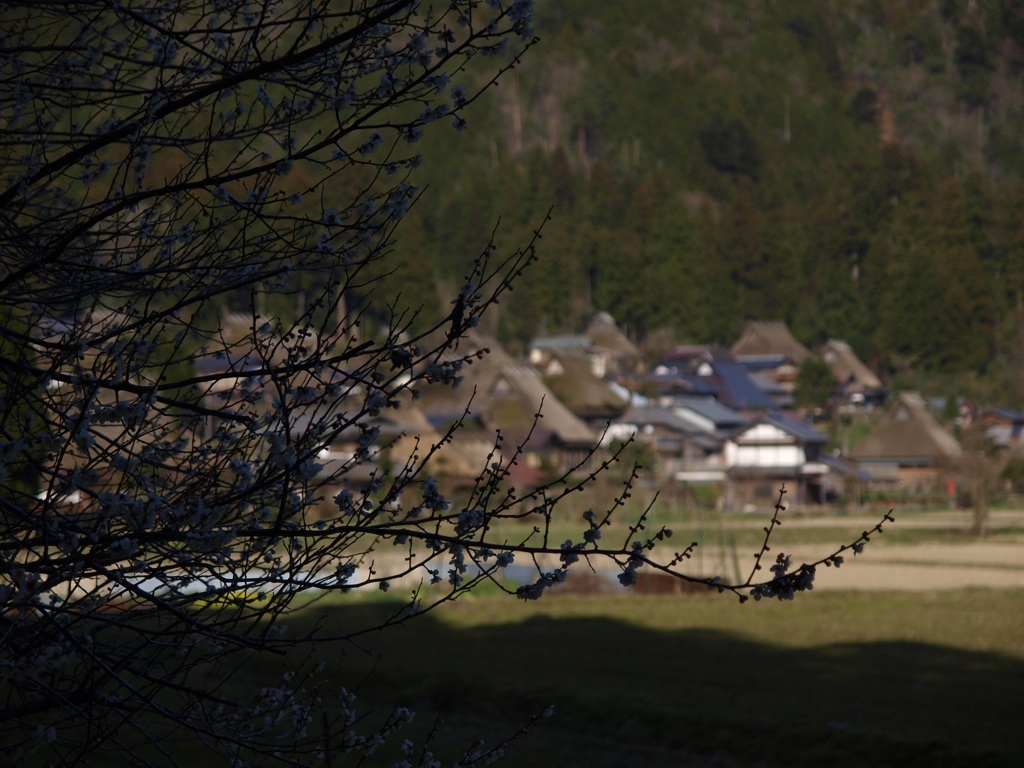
(175, 175)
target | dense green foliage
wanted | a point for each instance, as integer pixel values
(854, 169)
(814, 383)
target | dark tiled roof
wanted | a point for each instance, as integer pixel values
(723, 416)
(668, 417)
(802, 430)
(736, 389)
(675, 384)
(847, 468)
(770, 387)
(762, 362)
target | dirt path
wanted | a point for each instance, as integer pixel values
(950, 561)
(926, 566)
(929, 566)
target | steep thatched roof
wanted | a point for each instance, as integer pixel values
(569, 376)
(908, 434)
(846, 366)
(606, 334)
(505, 396)
(518, 394)
(478, 376)
(762, 337)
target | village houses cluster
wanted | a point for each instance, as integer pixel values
(713, 426)
(720, 422)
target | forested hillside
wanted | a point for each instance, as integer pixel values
(855, 169)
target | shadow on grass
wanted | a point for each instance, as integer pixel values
(628, 695)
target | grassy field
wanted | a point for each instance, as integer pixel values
(833, 678)
(866, 678)
(746, 530)
(842, 678)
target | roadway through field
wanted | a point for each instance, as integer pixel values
(928, 565)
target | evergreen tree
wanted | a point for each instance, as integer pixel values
(721, 317)
(939, 310)
(678, 292)
(744, 252)
(406, 277)
(814, 383)
(1008, 254)
(967, 317)
(621, 276)
(833, 273)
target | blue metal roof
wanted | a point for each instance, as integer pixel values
(700, 386)
(1010, 414)
(761, 362)
(737, 389)
(768, 386)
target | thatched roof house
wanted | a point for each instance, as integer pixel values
(497, 394)
(766, 338)
(607, 348)
(610, 340)
(518, 394)
(568, 374)
(771, 450)
(768, 348)
(858, 384)
(846, 366)
(908, 447)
